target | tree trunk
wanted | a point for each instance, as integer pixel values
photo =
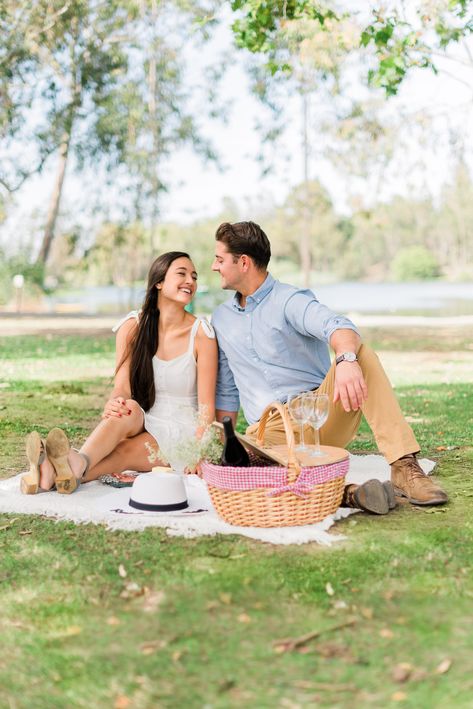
(153, 118)
(304, 238)
(55, 201)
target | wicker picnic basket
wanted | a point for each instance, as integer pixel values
(268, 495)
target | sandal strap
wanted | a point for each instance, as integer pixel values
(86, 460)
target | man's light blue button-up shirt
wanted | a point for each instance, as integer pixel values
(274, 347)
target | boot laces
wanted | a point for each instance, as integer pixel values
(414, 470)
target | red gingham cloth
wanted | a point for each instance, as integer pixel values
(274, 478)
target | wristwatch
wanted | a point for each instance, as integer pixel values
(346, 357)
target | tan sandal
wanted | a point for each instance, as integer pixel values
(58, 449)
(29, 483)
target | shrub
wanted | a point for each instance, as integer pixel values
(414, 263)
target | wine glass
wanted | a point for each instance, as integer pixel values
(316, 409)
(298, 411)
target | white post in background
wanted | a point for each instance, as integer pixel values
(18, 283)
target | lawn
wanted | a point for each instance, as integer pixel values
(92, 618)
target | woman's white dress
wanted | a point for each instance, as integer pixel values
(174, 414)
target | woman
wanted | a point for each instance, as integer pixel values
(165, 374)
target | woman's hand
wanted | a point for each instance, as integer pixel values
(195, 470)
(116, 407)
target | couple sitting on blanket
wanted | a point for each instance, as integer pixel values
(272, 344)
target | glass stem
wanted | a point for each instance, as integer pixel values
(317, 450)
(302, 436)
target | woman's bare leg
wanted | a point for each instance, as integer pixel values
(108, 434)
(101, 442)
(130, 454)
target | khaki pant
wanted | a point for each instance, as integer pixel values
(394, 436)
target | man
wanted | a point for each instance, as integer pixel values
(273, 343)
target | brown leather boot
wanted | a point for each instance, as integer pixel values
(410, 481)
(390, 494)
(369, 497)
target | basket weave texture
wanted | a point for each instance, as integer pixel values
(263, 495)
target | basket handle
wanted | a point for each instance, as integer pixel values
(293, 465)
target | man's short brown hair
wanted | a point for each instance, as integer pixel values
(246, 238)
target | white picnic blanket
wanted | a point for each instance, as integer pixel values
(100, 504)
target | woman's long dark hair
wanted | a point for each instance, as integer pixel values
(144, 344)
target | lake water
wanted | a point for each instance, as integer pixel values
(422, 298)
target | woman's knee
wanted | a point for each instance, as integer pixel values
(134, 407)
(129, 423)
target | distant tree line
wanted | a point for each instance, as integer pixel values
(101, 88)
(403, 239)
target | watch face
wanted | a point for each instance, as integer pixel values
(349, 356)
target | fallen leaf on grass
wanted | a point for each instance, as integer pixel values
(244, 618)
(152, 646)
(24, 532)
(176, 655)
(324, 686)
(402, 672)
(329, 589)
(132, 590)
(225, 685)
(153, 600)
(122, 571)
(435, 510)
(367, 613)
(388, 595)
(399, 696)
(290, 644)
(122, 702)
(113, 620)
(9, 524)
(226, 598)
(211, 605)
(73, 630)
(443, 667)
(386, 633)
(331, 649)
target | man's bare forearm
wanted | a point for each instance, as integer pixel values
(219, 415)
(345, 341)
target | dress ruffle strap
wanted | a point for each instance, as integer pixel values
(207, 327)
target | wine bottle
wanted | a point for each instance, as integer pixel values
(234, 453)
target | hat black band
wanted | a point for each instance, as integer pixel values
(159, 508)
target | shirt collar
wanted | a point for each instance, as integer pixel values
(256, 297)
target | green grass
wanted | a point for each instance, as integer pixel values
(197, 628)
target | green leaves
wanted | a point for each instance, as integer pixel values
(398, 45)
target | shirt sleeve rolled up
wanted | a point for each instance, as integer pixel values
(227, 397)
(309, 317)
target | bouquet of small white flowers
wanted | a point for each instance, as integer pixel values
(183, 444)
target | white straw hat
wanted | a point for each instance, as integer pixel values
(159, 492)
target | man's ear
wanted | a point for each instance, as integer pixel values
(245, 262)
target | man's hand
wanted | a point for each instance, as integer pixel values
(350, 386)
(116, 407)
